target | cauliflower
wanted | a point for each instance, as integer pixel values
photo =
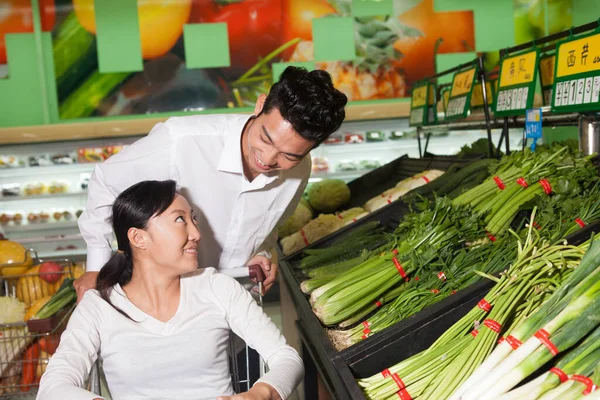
(328, 195)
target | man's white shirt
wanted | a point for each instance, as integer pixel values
(236, 217)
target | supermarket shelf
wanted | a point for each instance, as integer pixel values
(62, 253)
(39, 227)
(371, 147)
(477, 122)
(136, 125)
(26, 172)
(43, 196)
(343, 175)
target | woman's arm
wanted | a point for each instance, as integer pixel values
(249, 322)
(69, 367)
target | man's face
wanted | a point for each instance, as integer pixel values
(270, 143)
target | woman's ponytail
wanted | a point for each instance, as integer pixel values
(118, 269)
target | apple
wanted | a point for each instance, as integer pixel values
(51, 272)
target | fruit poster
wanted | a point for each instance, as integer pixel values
(393, 51)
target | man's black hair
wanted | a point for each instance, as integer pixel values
(309, 102)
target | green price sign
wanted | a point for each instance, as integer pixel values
(432, 102)
(547, 63)
(516, 87)
(477, 96)
(459, 102)
(418, 105)
(577, 74)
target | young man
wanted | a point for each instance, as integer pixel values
(243, 174)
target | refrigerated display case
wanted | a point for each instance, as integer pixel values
(44, 185)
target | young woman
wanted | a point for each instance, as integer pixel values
(162, 335)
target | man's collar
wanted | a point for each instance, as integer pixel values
(231, 157)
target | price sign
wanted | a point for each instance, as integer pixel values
(577, 74)
(460, 94)
(547, 63)
(477, 97)
(533, 125)
(418, 105)
(446, 98)
(431, 106)
(517, 81)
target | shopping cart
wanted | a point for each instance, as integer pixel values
(26, 346)
(241, 376)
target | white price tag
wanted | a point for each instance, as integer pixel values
(572, 92)
(580, 88)
(587, 95)
(524, 98)
(558, 94)
(596, 89)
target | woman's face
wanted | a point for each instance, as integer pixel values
(173, 236)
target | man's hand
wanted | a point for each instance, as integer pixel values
(268, 267)
(260, 391)
(84, 283)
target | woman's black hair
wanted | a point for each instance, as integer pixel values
(133, 208)
(309, 102)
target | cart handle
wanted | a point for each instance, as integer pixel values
(255, 272)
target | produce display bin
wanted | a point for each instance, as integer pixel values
(387, 176)
(396, 343)
(375, 183)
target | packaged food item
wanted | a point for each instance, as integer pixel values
(42, 160)
(397, 135)
(18, 218)
(63, 159)
(34, 189)
(84, 179)
(91, 154)
(57, 215)
(7, 161)
(347, 166)
(350, 138)
(44, 216)
(33, 217)
(78, 213)
(369, 164)
(56, 187)
(11, 189)
(5, 218)
(336, 138)
(375, 136)
(67, 215)
(320, 164)
(112, 150)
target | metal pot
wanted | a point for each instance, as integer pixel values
(589, 135)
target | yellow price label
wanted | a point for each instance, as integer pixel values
(446, 99)
(477, 96)
(431, 96)
(578, 56)
(518, 69)
(419, 96)
(547, 70)
(462, 82)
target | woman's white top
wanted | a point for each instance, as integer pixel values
(184, 358)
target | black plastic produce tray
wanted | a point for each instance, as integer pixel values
(387, 176)
(396, 343)
(376, 182)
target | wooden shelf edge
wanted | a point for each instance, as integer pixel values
(141, 126)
